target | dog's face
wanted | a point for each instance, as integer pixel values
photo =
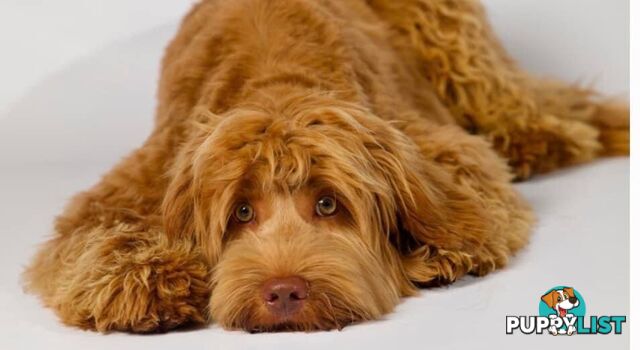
(312, 218)
(300, 263)
(561, 300)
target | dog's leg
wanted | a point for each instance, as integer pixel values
(110, 266)
(123, 278)
(538, 126)
(483, 219)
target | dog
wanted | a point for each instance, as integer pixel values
(312, 163)
(561, 300)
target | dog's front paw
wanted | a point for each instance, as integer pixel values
(168, 298)
(132, 283)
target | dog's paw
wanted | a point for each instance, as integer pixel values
(134, 283)
(160, 316)
(546, 144)
(143, 299)
(169, 298)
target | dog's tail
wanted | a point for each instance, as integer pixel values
(609, 116)
(613, 121)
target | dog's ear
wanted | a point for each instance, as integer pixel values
(181, 208)
(197, 201)
(569, 291)
(185, 207)
(441, 224)
(550, 298)
(179, 204)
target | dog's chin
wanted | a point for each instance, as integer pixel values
(282, 327)
(321, 317)
(302, 326)
(346, 284)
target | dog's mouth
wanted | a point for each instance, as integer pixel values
(292, 327)
(563, 312)
(280, 327)
(317, 314)
(294, 324)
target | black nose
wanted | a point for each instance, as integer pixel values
(573, 300)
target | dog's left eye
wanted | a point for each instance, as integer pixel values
(326, 206)
(244, 213)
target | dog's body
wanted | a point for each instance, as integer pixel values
(312, 162)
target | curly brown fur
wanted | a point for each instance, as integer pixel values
(122, 278)
(398, 110)
(537, 125)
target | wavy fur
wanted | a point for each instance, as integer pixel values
(408, 112)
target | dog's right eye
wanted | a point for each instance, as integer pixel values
(244, 213)
(326, 206)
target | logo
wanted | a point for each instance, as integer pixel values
(562, 311)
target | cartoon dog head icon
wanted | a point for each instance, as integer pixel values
(561, 300)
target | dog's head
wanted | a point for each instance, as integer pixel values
(313, 213)
(561, 300)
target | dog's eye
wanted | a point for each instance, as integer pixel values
(326, 206)
(559, 298)
(244, 213)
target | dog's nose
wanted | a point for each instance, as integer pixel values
(573, 300)
(285, 296)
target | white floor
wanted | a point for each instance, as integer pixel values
(78, 93)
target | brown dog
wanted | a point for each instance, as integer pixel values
(314, 161)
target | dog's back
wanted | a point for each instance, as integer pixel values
(226, 49)
(402, 59)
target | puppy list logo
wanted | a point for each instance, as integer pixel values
(562, 312)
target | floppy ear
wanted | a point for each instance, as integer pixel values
(201, 191)
(570, 291)
(179, 205)
(458, 212)
(442, 225)
(550, 298)
(185, 208)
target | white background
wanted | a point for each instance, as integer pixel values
(77, 84)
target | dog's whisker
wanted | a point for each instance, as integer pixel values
(329, 306)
